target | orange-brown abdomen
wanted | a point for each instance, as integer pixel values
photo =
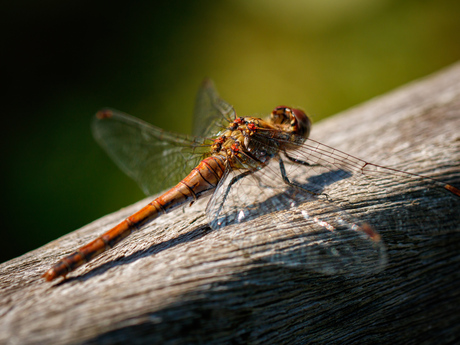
(202, 179)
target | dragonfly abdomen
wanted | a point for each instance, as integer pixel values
(202, 179)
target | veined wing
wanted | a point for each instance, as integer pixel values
(154, 158)
(211, 113)
(321, 232)
(334, 165)
(292, 227)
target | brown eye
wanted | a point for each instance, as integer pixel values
(302, 123)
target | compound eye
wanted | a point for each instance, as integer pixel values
(302, 123)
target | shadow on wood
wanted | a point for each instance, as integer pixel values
(176, 281)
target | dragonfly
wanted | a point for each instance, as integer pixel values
(267, 171)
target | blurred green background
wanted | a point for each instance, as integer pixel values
(62, 61)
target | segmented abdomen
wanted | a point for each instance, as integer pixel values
(202, 179)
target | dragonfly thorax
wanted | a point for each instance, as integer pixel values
(250, 142)
(244, 142)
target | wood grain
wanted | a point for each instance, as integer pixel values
(178, 282)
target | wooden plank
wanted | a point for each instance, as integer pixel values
(178, 282)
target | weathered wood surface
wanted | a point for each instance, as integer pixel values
(178, 282)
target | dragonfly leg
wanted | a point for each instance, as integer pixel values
(298, 161)
(293, 184)
(234, 180)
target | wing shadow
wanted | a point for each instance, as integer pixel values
(429, 211)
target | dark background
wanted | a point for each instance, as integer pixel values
(61, 62)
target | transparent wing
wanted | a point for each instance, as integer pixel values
(211, 113)
(154, 158)
(333, 167)
(292, 227)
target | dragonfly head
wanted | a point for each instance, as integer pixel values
(299, 122)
